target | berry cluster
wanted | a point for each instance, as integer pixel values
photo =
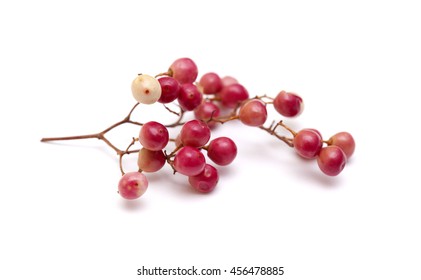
(213, 101)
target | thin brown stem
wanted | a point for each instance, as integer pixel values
(131, 111)
(106, 141)
(170, 161)
(223, 120)
(125, 120)
(178, 122)
(172, 154)
(265, 98)
(135, 123)
(271, 130)
(100, 135)
(214, 98)
(87, 136)
(281, 123)
(205, 147)
(168, 73)
(126, 152)
(171, 111)
(114, 126)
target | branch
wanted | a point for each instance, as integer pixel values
(271, 130)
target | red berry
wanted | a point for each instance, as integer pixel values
(233, 95)
(210, 83)
(153, 136)
(195, 133)
(288, 104)
(253, 113)
(132, 185)
(205, 181)
(345, 141)
(331, 160)
(189, 161)
(189, 97)
(206, 111)
(222, 150)
(150, 161)
(308, 143)
(169, 89)
(184, 70)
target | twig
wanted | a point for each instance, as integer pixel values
(126, 152)
(100, 135)
(272, 131)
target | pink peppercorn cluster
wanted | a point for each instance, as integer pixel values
(213, 100)
(206, 98)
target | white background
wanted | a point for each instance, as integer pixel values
(66, 68)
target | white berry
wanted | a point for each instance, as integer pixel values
(146, 89)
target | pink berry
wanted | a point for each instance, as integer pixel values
(253, 113)
(169, 89)
(345, 141)
(233, 95)
(288, 104)
(222, 150)
(206, 111)
(132, 185)
(189, 97)
(228, 80)
(150, 161)
(195, 133)
(184, 70)
(315, 130)
(206, 180)
(331, 160)
(210, 83)
(189, 161)
(308, 143)
(153, 136)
